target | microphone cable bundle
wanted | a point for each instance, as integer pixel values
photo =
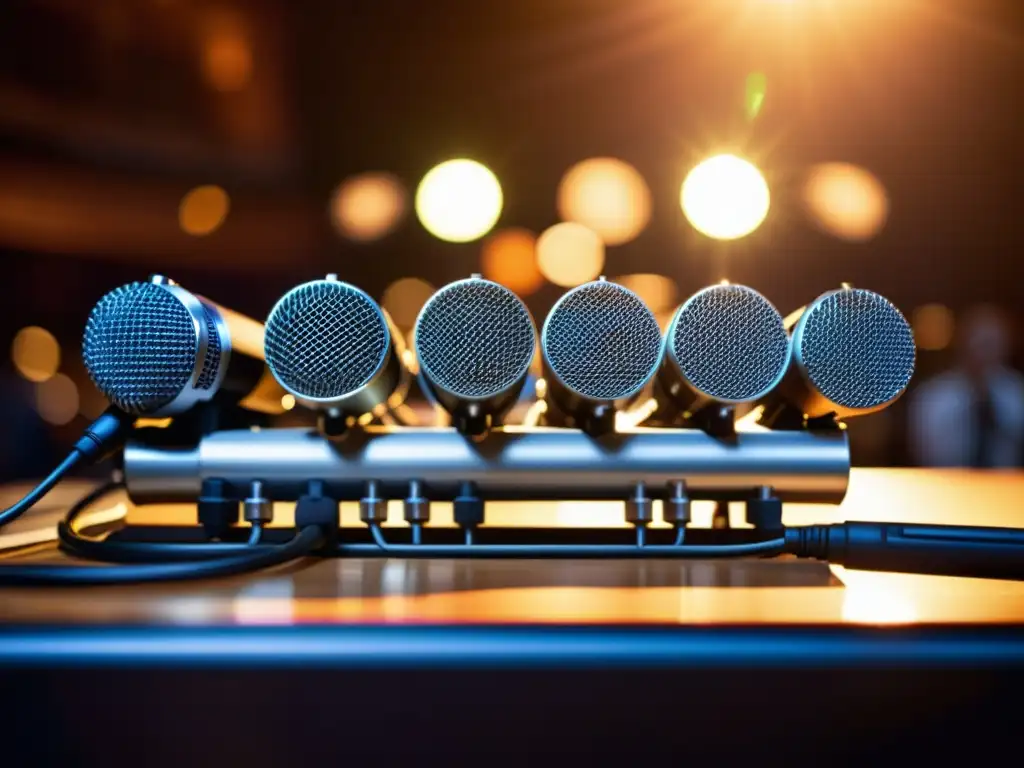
(157, 350)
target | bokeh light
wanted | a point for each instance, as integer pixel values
(656, 291)
(934, 326)
(509, 257)
(57, 400)
(288, 401)
(227, 58)
(459, 201)
(35, 353)
(725, 197)
(203, 210)
(569, 254)
(846, 201)
(608, 196)
(404, 299)
(368, 207)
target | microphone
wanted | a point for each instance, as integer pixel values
(156, 349)
(726, 345)
(853, 353)
(334, 349)
(601, 346)
(474, 340)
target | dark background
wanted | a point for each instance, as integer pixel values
(108, 117)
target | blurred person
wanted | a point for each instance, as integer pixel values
(973, 414)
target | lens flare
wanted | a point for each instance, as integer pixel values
(459, 201)
(725, 197)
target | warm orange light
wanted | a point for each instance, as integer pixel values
(607, 195)
(569, 254)
(846, 201)
(933, 325)
(35, 353)
(368, 207)
(227, 55)
(203, 210)
(656, 291)
(404, 299)
(288, 401)
(57, 399)
(509, 257)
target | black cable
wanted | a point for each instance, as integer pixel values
(15, 511)
(98, 439)
(77, 545)
(194, 561)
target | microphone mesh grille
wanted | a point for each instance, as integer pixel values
(730, 343)
(325, 339)
(602, 341)
(211, 361)
(140, 347)
(857, 348)
(475, 338)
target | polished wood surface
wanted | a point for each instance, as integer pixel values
(396, 591)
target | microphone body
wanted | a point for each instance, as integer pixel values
(853, 353)
(601, 346)
(725, 346)
(334, 349)
(156, 349)
(474, 341)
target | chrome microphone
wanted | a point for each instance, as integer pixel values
(334, 349)
(725, 346)
(474, 341)
(601, 346)
(156, 349)
(853, 353)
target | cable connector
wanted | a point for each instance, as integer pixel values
(105, 435)
(314, 508)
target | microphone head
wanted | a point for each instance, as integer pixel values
(601, 345)
(726, 344)
(475, 340)
(154, 348)
(855, 351)
(329, 344)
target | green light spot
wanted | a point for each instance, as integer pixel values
(757, 86)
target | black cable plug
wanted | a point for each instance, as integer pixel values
(941, 550)
(315, 508)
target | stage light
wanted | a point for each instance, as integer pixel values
(846, 201)
(569, 254)
(608, 196)
(933, 325)
(459, 201)
(203, 210)
(725, 197)
(656, 291)
(404, 299)
(368, 207)
(509, 257)
(35, 354)
(57, 400)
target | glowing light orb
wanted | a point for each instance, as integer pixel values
(607, 195)
(725, 197)
(459, 201)
(569, 254)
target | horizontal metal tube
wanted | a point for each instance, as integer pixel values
(511, 464)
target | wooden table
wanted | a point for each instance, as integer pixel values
(409, 656)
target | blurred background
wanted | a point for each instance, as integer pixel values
(791, 145)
